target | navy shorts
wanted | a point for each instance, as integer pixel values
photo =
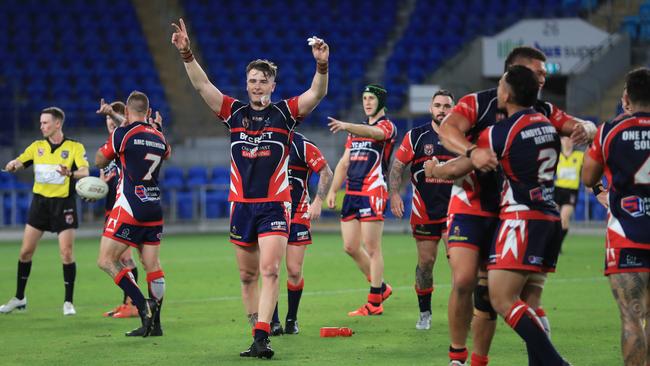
(299, 234)
(250, 221)
(526, 245)
(134, 235)
(429, 231)
(471, 231)
(362, 208)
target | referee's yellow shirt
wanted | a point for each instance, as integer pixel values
(46, 159)
(568, 170)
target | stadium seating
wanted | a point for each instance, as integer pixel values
(71, 57)
(431, 40)
(281, 34)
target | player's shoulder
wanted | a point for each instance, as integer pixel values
(621, 118)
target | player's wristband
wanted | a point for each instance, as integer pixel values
(468, 151)
(187, 55)
(598, 189)
(321, 67)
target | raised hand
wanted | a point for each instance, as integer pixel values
(319, 49)
(104, 108)
(180, 39)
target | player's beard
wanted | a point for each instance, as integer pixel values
(438, 119)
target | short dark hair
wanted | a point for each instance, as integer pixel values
(268, 68)
(138, 102)
(444, 93)
(56, 112)
(637, 84)
(523, 84)
(523, 52)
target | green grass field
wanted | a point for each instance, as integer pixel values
(204, 321)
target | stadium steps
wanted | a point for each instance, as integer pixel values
(377, 69)
(606, 108)
(610, 14)
(189, 112)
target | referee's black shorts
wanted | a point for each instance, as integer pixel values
(566, 196)
(53, 214)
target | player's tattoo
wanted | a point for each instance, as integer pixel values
(252, 319)
(630, 291)
(324, 182)
(395, 177)
(423, 277)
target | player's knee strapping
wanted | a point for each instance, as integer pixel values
(482, 302)
(156, 282)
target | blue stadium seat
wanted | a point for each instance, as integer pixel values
(630, 25)
(185, 205)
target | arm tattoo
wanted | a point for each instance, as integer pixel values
(324, 182)
(395, 177)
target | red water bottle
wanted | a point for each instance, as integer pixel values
(335, 332)
(345, 332)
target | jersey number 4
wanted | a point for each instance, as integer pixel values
(642, 176)
(155, 161)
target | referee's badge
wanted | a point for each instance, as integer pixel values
(428, 149)
(65, 154)
(40, 151)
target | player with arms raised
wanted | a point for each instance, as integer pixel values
(260, 135)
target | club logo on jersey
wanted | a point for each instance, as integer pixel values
(536, 194)
(533, 259)
(40, 151)
(428, 149)
(147, 194)
(246, 122)
(69, 219)
(65, 154)
(633, 205)
(279, 225)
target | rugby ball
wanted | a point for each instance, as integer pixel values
(91, 188)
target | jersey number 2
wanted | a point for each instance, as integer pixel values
(548, 160)
(155, 161)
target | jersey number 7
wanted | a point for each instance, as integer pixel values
(155, 161)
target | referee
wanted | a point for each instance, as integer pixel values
(567, 182)
(57, 161)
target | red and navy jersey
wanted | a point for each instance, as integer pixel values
(430, 195)
(527, 146)
(477, 193)
(259, 149)
(112, 172)
(369, 160)
(140, 150)
(622, 146)
(304, 159)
